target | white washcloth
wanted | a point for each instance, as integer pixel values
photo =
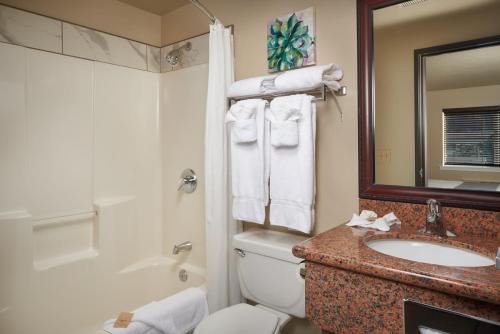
(249, 167)
(177, 314)
(292, 185)
(309, 78)
(369, 219)
(251, 86)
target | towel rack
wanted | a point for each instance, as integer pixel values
(322, 91)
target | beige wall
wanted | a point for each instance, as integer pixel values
(454, 98)
(111, 16)
(337, 149)
(394, 100)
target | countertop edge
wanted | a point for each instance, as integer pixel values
(407, 277)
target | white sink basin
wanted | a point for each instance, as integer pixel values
(428, 252)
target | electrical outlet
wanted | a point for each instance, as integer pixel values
(383, 155)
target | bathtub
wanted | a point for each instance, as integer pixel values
(51, 287)
(142, 283)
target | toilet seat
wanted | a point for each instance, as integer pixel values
(239, 319)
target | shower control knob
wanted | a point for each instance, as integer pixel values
(188, 181)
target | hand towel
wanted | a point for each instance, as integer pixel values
(249, 171)
(284, 124)
(309, 78)
(369, 219)
(292, 179)
(177, 314)
(251, 86)
(244, 124)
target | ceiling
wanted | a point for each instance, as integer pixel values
(470, 68)
(159, 7)
(396, 14)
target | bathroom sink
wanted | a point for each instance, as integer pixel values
(429, 252)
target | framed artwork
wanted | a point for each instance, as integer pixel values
(291, 41)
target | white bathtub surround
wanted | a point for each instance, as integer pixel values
(292, 175)
(177, 314)
(223, 288)
(187, 58)
(59, 115)
(27, 29)
(249, 172)
(309, 78)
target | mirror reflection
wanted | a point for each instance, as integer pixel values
(437, 108)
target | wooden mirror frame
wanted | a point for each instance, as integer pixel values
(367, 188)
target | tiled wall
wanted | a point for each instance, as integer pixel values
(47, 34)
(43, 33)
(196, 56)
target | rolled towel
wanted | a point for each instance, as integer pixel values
(309, 78)
(177, 314)
(251, 86)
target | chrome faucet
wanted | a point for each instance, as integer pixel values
(433, 222)
(182, 247)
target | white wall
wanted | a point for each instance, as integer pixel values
(77, 137)
(183, 119)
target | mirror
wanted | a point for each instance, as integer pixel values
(429, 73)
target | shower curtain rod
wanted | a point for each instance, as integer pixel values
(205, 11)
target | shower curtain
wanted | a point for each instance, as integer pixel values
(222, 280)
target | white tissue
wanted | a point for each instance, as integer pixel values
(369, 219)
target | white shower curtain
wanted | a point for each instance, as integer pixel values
(222, 281)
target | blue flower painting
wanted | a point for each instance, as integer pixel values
(290, 41)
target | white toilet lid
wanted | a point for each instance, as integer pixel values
(239, 319)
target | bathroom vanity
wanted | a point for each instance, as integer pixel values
(415, 145)
(351, 288)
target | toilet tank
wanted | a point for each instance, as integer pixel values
(268, 272)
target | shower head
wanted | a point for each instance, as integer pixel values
(173, 57)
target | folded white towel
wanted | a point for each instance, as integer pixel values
(369, 219)
(292, 185)
(249, 167)
(177, 314)
(309, 78)
(251, 86)
(284, 124)
(243, 119)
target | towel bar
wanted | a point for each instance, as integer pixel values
(322, 91)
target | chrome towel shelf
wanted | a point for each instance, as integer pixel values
(321, 92)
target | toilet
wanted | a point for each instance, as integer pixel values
(269, 276)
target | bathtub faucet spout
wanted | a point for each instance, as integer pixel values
(182, 247)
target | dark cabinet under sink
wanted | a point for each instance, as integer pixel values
(425, 319)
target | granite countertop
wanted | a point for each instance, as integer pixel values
(343, 247)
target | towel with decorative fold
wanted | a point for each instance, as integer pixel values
(292, 161)
(309, 78)
(177, 314)
(251, 86)
(369, 219)
(249, 156)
